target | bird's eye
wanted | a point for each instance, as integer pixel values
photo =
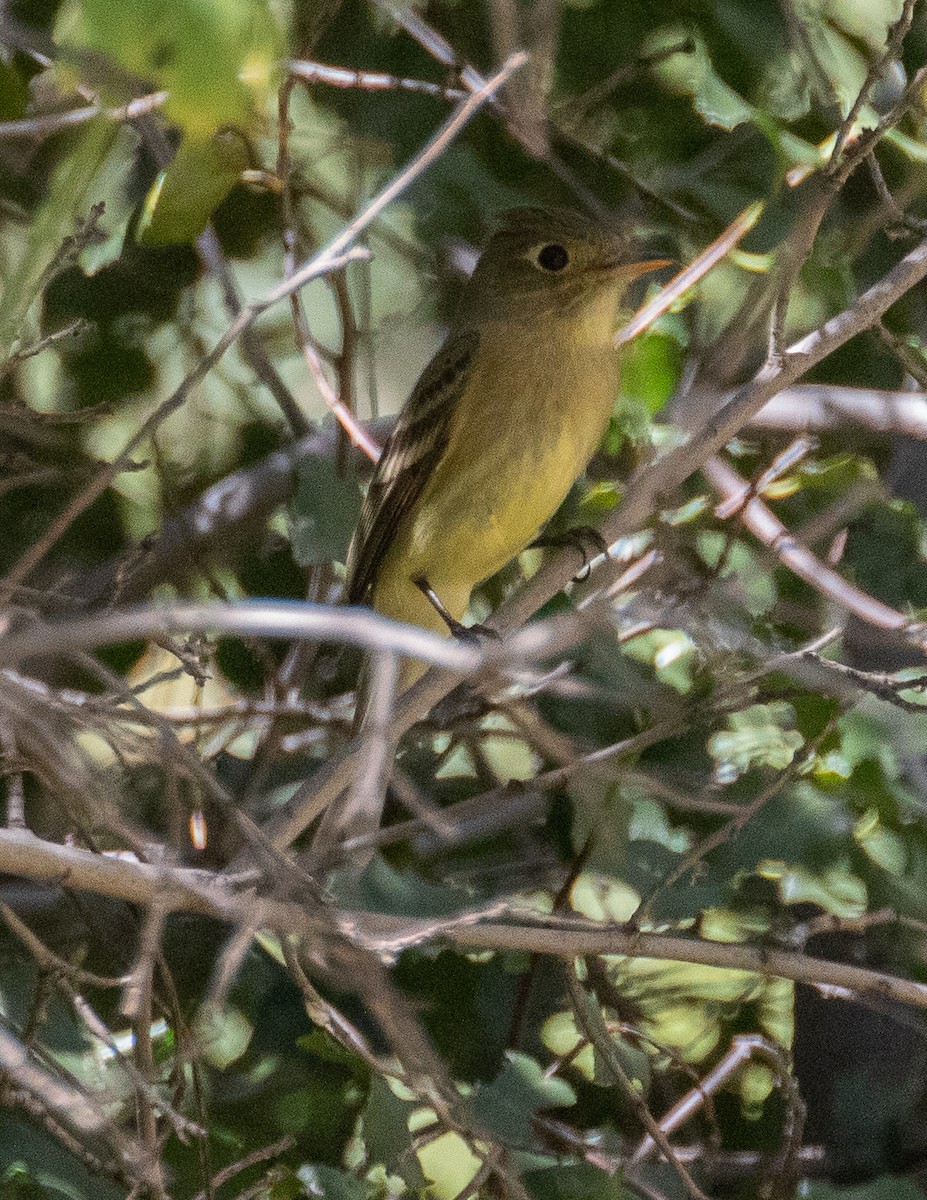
(553, 257)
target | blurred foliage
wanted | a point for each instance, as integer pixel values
(769, 797)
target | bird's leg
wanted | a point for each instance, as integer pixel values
(580, 536)
(465, 632)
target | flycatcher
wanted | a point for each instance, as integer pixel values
(502, 422)
(499, 427)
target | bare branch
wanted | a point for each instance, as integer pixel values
(42, 126)
(589, 1018)
(335, 255)
(762, 522)
(369, 81)
(77, 1111)
(825, 408)
(258, 618)
(211, 895)
(248, 315)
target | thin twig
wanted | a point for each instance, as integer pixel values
(335, 255)
(42, 126)
(31, 558)
(362, 809)
(11, 769)
(649, 484)
(78, 1111)
(590, 1020)
(258, 618)
(341, 411)
(369, 81)
(743, 1048)
(876, 70)
(765, 525)
(274, 1150)
(642, 496)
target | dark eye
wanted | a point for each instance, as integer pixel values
(553, 257)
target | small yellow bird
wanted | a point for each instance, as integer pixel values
(497, 430)
(502, 422)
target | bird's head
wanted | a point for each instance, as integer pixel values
(542, 263)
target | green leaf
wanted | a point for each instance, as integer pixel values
(50, 1181)
(650, 862)
(320, 1044)
(323, 513)
(573, 1182)
(507, 1105)
(183, 197)
(784, 89)
(650, 369)
(217, 61)
(222, 1035)
(69, 198)
(450, 1165)
(690, 72)
(383, 889)
(14, 93)
(330, 1184)
(755, 737)
(836, 890)
(883, 550)
(321, 1109)
(889, 1187)
(461, 997)
(913, 148)
(672, 654)
(840, 32)
(386, 1133)
(18, 1183)
(602, 811)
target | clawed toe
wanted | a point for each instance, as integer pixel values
(580, 537)
(473, 633)
(466, 633)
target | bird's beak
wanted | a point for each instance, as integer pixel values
(621, 269)
(633, 270)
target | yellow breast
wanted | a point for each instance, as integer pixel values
(534, 410)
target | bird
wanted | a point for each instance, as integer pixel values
(501, 423)
(498, 428)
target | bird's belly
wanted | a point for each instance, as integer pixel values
(527, 427)
(485, 518)
(466, 532)
(518, 496)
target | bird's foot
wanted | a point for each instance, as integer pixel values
(473, 633)
(466, 633)
(581, 537)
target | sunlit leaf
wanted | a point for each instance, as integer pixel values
(690, 72)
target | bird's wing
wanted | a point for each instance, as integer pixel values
(408, 459)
